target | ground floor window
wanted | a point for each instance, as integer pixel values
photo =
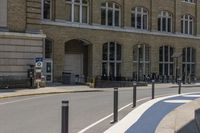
(188, 62)
(166, 64)
(111, 65)
(141, 62)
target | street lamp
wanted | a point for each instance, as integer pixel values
(138, 71)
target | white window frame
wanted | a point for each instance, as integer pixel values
(143, 60)
(51, 5)
(190, 62)
(168, 62)
(108, 61)
(184, 19)
(166, 15)
(142, 13)
(80, 4)
(113, 9)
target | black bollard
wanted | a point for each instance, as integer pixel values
(65, 116)
(179, 86)
(153, 88)
(115, 106)
(134, 93)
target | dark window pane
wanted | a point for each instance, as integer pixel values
(118, 70)
(159, 24)
(139, 21)
(160, 69)
(166, 69)
(164, 24)
(182, 26)
(47, 9)
(166, 53)
(169, 25)
(191, 28)
(48, 49)
(161, 54)
(171, 69)
(145, 22)
(117, 18)
(112, 51)
(103, 16)
(118, 52)
(84, 14)
(184, 53)
(105, 51)
(76, 13)
(110, 17)
(112, 70)
(69, 13)
(104, 69)
(186, 27)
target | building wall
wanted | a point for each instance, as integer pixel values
(61, 31)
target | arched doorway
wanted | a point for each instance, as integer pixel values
(76, 61)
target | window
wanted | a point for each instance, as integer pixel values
(110, 14)
(188, 62)
(47, 9)
(166, 61)
(139, 18)
(189, 1)
(187, 24)
(111, 65)
(141, 61)
(77, 11)
(165, 22)
(3, 13)
(48, 48)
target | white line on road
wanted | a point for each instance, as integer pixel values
(99, 121)
(21, 100)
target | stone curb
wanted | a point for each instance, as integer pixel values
(47, 93)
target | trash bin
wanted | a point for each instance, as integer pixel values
(66, 78)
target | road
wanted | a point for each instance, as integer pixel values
(42, 114)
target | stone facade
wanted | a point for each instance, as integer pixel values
(26, 16)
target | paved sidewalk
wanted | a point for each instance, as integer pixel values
(58, 88)
(146, 117)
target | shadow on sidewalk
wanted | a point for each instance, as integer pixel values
(189, 128)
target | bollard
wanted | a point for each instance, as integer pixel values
(134, 93)
(179, 86)
(153, 88)
(65, 116)
(115, 107)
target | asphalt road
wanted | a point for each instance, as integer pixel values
(42, 114)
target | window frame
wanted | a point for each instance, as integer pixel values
(113, 9)
(108, 61)
(50, 13)
(187, 18)
(135, 12)
(165, 15)
(72, 3)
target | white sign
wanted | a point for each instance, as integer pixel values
(38, 62)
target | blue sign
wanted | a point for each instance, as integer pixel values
(39, 59)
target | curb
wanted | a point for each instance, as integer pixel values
(48, 93)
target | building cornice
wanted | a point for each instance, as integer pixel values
(117, 29)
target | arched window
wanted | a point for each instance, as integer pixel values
(187, 24)
(141, 61)
(110, 14)
(188, 61)
(165, 21)
(166, 61)
(111, 65)
(139, 18)
(77, 11)
(47, 9)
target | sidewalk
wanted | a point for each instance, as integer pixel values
(55, 89)
(148, 117)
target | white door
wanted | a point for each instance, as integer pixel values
(74, 64)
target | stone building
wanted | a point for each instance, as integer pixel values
(112, 40)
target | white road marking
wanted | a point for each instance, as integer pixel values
(191, 95)
(22, 100)
(99, 121)
(177, 101)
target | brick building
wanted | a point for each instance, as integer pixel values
(112, 40)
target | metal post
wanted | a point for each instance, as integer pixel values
(65, 116)
(179, 86)
(153, 88)
(134, 93)
(115, 107)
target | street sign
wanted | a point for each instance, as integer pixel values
(38, 62)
